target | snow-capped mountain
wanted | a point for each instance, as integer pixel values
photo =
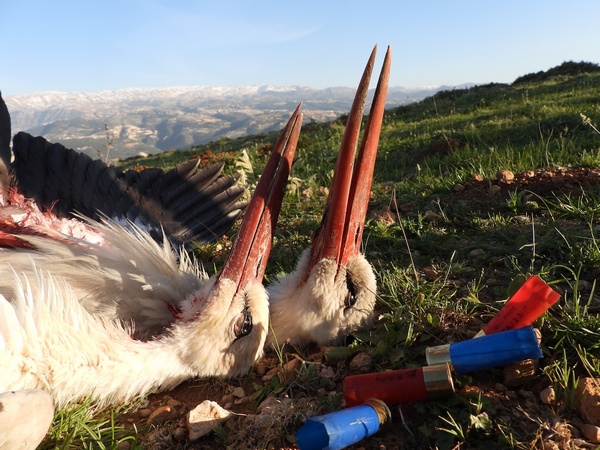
(152, 120)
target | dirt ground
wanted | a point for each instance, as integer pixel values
(518, 406)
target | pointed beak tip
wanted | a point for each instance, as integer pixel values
(344, 218)
(247, 261)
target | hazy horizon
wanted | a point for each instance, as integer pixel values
(69, 46)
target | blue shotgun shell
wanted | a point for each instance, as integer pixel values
(342, 428)
(498, 349)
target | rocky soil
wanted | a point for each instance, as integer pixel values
(270, 404)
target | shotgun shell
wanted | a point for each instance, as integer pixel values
(488, 351)
(399, 386)
(340, 429)
(532, 300)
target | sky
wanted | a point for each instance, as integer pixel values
(90, 46)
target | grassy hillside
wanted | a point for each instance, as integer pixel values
(474, 190)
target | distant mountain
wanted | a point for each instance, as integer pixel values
(155, 120)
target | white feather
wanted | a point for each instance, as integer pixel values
(74, 314)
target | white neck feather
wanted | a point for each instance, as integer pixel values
(55, 344)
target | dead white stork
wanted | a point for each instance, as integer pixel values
(71, 307)
(331, 293)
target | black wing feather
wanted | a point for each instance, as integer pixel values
(188, 202)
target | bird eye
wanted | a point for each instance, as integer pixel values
(350, 299)
(243, 324)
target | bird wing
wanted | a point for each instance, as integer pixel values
(188, 202)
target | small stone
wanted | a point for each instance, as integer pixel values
(430, 273)
(179, 434)
(361, 362)
(520, 373)
(241, 400)
(145, 412)
(262, 421)
(591, 433)
(204, 418)
(238, 392)
(292, 366)
(548, 395)
(261, 368)
(505, 176)
(327, 372)
(587, 399)
(383, 215)
(274, 405)
(227, 398)
(476, 253)
(123, 445)
(476, 177)
(161, 414)
(458, 187)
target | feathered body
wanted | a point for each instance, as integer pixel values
(70, 310)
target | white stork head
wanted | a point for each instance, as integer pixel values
(331, 293)
(237, 329)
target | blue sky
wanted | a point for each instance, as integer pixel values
(77, 45)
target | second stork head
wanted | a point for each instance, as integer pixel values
(331, 293)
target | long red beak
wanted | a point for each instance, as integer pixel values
(248, 258)
(340, 233)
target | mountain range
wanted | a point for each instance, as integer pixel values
(151, 120)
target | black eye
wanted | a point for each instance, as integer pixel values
(350, 299)
(243, 324)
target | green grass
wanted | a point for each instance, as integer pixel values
(81, 426)
(441, 276)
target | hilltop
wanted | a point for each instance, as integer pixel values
(148, 120)
(475, 189)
